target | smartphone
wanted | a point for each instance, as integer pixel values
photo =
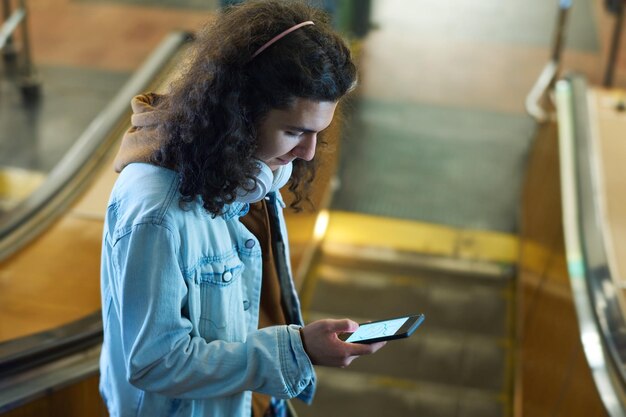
(378, 331)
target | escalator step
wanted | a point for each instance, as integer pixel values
(343, 393)
(458, 363)
(457, 305)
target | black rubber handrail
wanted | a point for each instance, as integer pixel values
(19, 355)
(65, 183)
(606, 303)
(602, 322)
(75, 171)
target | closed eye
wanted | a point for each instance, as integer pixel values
(298, 130)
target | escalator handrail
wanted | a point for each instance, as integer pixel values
(601, 319)
(35, 356)
(73, 173)
(19, 355)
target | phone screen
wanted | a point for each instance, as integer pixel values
(377, 329)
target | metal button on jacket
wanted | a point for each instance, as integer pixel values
(246, 305)
(227, 276)
(249, 243)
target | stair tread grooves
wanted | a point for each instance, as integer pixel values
(457, 360)
(342, 379)
(476, 309)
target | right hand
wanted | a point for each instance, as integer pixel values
(325, 348)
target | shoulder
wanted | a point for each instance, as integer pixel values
(143, 193)
(144, 186)
(149, 194)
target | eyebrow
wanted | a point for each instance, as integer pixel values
(301, 129)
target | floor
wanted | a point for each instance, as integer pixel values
(436, 139)
(438, 132)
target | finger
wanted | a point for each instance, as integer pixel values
(343, 326)
(377, 346)
(349, 361)
(361, 349)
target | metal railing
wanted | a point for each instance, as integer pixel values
(21, 62)
(539, 100)
(538, 103)
(617, 8)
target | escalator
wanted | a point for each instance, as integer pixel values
(50, 250)
(544, 338)
(540, 334)
(571, 293)
(591, 154)
(460, 360)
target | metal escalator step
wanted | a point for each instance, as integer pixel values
(458, 363)
(377, 258)
(462, 305)
(450, 358)
(343, 393)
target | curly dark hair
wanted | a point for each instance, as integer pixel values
(213, 111)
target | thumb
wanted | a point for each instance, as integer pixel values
(344, 326)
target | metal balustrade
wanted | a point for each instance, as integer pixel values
(19, 60)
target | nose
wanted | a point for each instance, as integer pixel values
(306, 148)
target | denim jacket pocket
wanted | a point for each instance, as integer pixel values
(221, 299)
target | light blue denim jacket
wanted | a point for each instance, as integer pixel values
(180, 307)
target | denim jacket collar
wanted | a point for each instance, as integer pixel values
(241, 209)
(235, 209)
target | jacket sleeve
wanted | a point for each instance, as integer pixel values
(161, 354)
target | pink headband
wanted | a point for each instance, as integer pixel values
(279, 36)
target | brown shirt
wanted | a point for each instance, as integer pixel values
(270, 311)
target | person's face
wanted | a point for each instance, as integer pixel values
(285, 135)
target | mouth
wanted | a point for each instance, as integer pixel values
(281, 161)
